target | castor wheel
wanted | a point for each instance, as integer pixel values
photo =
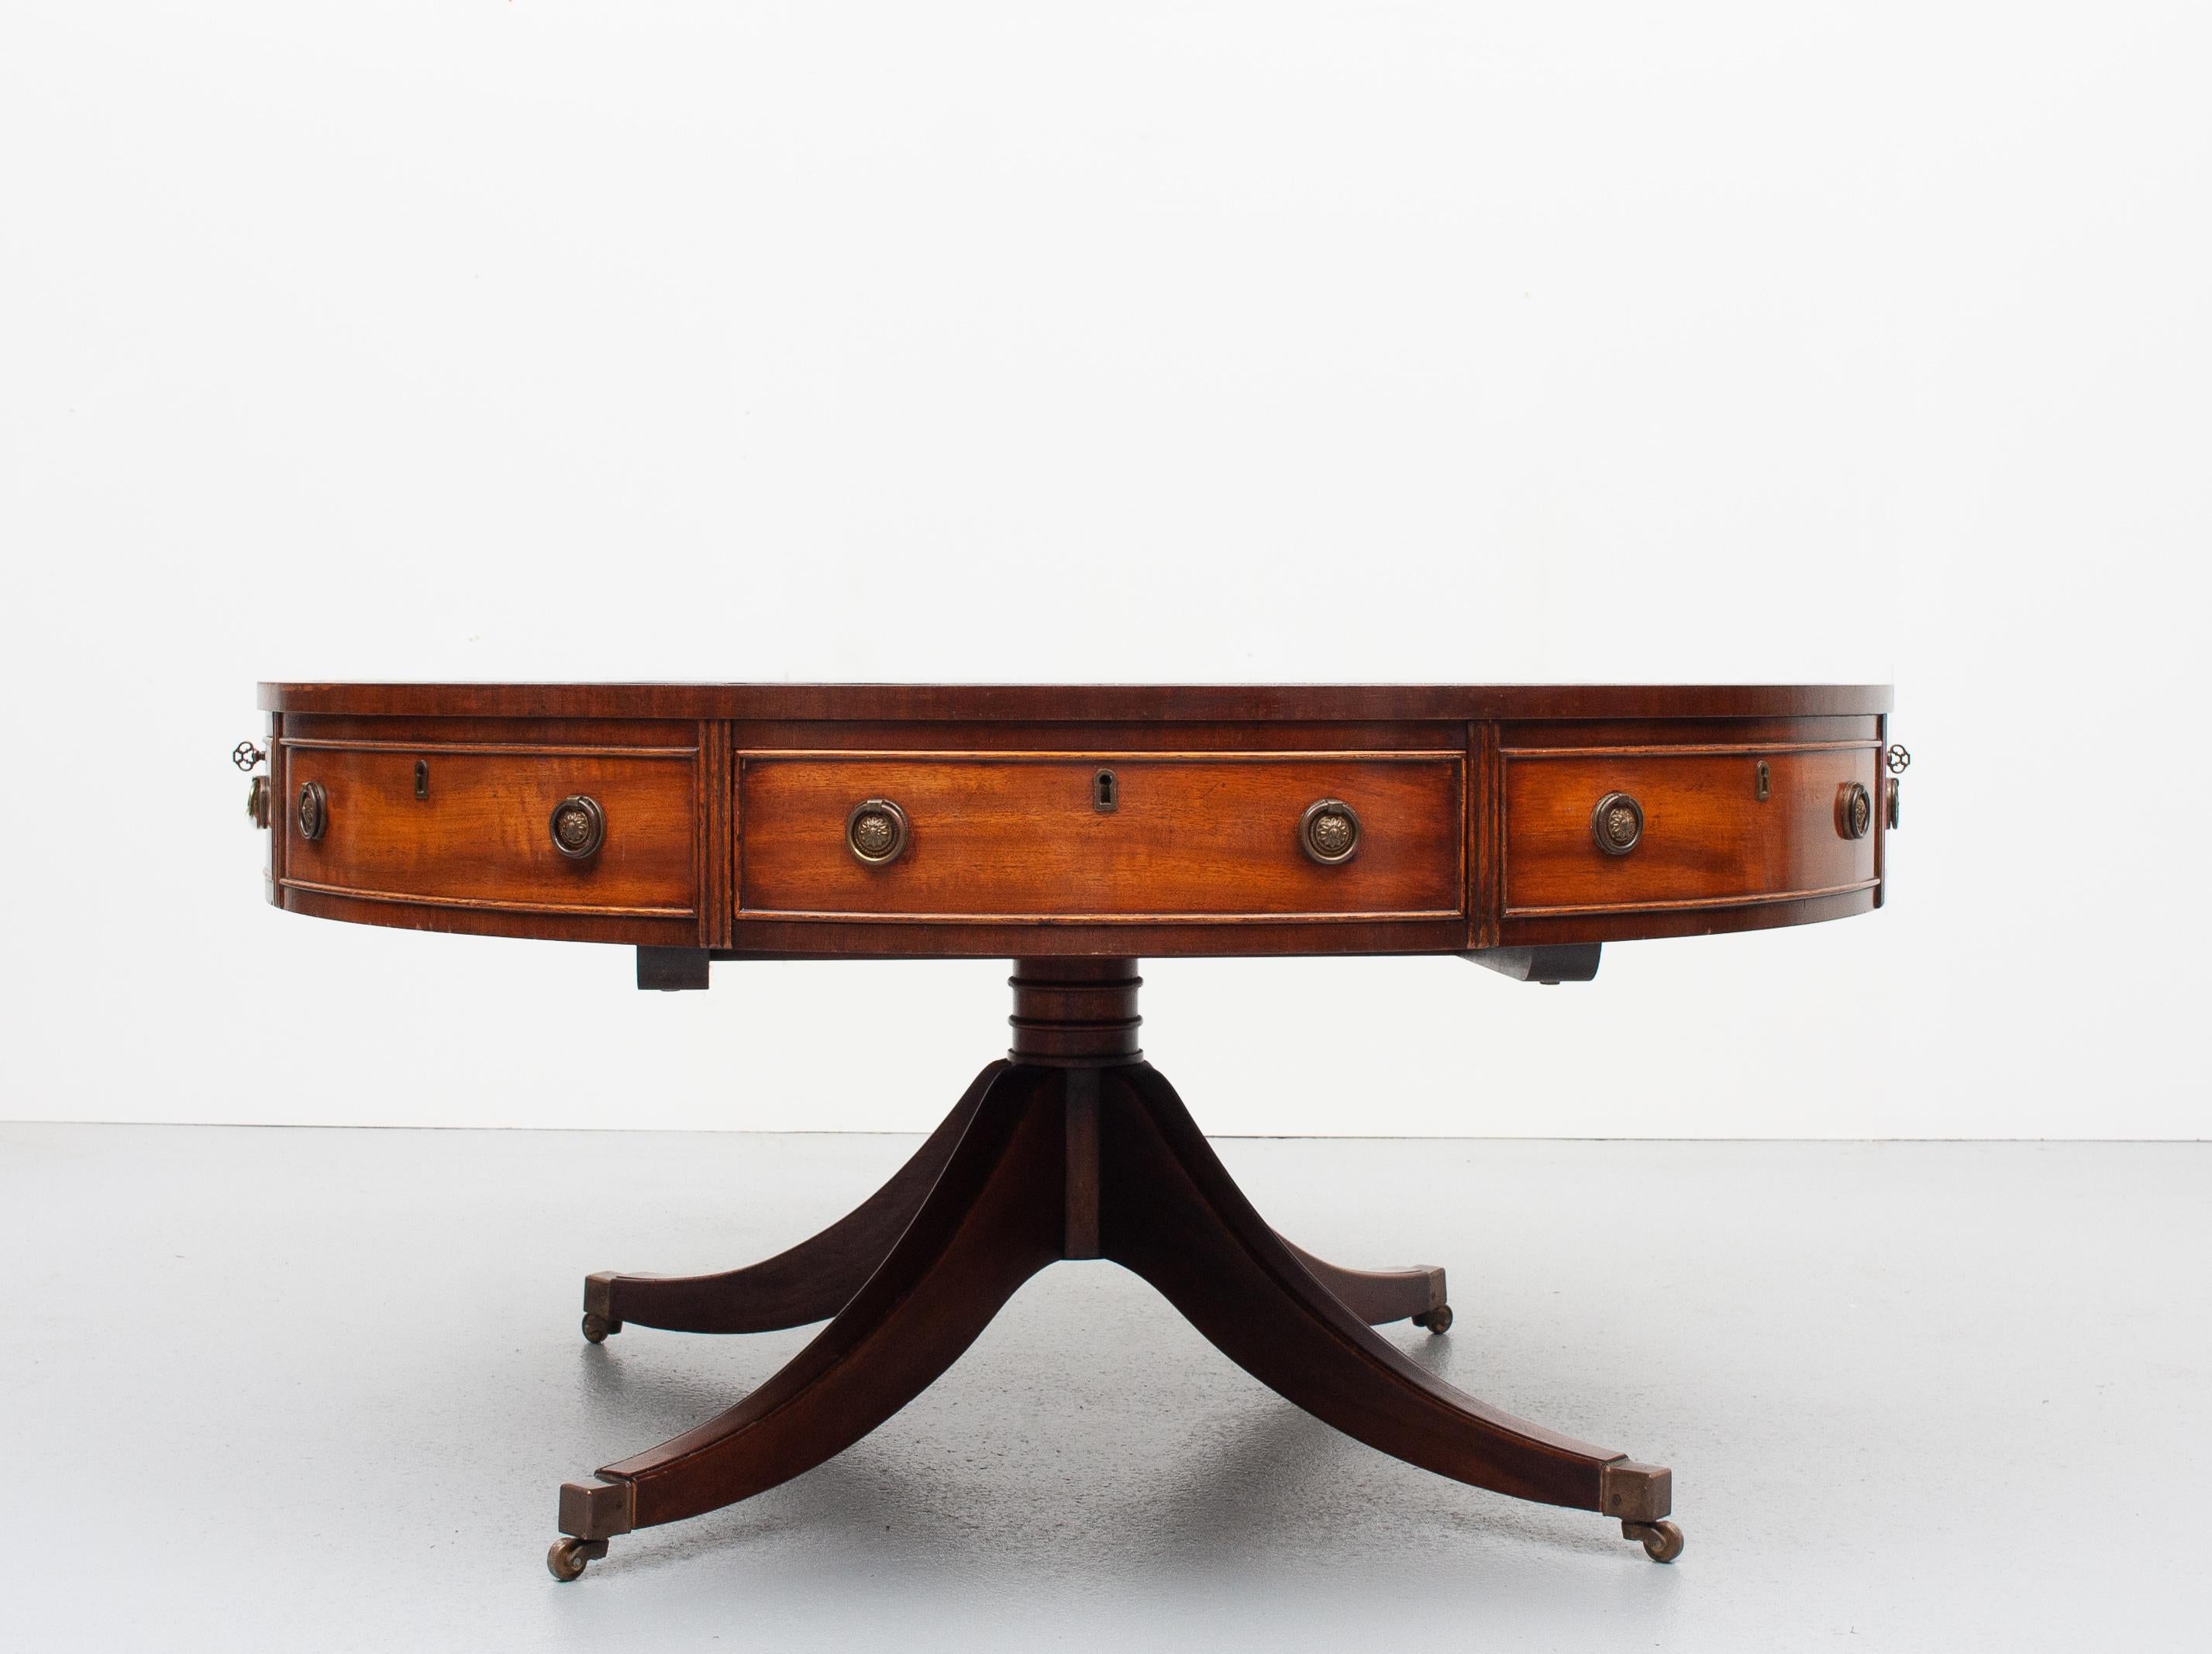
(1437, 1320)
(565, 1560)
(1662, 1541)
(598, 1327)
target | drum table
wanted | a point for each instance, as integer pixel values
(1071, 829)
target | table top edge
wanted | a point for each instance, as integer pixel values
(1073, 702)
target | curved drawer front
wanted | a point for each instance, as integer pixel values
(1708, 839)
(477, 831)
(1027, 836)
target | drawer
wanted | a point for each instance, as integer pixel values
(480, 834)
(1708, 838)
(1023, 835)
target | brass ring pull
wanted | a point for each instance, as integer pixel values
(1854, 810)
(579, 827)
(311, 810)
(1617, 824)
(1329, 832)
(875, 831)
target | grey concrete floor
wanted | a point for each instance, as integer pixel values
(314, 1389)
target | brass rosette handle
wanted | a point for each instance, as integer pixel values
(1854, 810)
(311, 810)
(1617, 824)
(579, 827)
(876, 832)
(1329, 832)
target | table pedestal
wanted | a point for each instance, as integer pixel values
(1073, 1147)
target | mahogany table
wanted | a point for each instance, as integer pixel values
(1071, 829)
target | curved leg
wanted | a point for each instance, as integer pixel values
(994, 1219)
(1379, 1295)
(812, 1281)
(1170, 1212)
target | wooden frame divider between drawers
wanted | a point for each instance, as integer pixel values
(279, 811)
(1486, 831)
(1881, 805)
(718, 810)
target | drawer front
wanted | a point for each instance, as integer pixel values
(480, 834)
(1708, 839)
(1021, 836)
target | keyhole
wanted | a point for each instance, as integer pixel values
(422, 778)
(1765, 781)
(1103, 799)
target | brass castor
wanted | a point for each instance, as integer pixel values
(565, 1560)
(1437, 1320)
(598, 1327)
(1662, 1541)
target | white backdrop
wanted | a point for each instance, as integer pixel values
(1240, 341)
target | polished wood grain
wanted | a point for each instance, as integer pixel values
(1709, 840)
(1080, 735)
(999, 836)
(1655, 924)
(1071, 1158)
(717, 833)
(1194, 863)
(674, 927)
(480, 838)
(725, 808)
(1074, 703)
(1179, 1221)
(992, 1220)
(622, 734)
(1881, 813)
(1766, 729)
(809, 1282)
(814, 1279)
(1484, 825)
(272, 867)
(1376, 1296)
